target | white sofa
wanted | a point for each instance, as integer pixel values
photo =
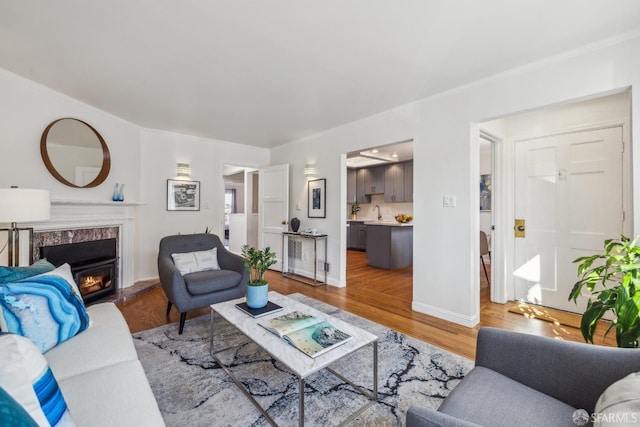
(100, 375)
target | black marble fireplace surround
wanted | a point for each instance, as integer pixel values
(92, 255)
(93, 265)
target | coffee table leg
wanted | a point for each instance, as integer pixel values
(375, 371)
(301, 402)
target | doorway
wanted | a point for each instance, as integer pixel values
(240, 207)
(559, 167)
(379, 187)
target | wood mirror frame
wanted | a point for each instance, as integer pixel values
(106, 156)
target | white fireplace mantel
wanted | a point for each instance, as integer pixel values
(75, 214)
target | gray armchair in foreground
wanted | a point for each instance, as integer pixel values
(199, 289)
(527, 380)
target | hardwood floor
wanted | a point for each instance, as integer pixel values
(383, 296)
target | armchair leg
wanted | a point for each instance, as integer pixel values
(169, 307)
(183, 317)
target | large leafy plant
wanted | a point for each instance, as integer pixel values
(257, 262)
(613, 279)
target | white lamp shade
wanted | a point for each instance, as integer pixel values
(24, 205)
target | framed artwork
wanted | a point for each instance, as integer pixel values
(317, 198)
(183, 195)
(485, 192)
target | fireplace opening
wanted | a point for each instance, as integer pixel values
(93, 265)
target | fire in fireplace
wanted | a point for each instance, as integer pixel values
(93, 265)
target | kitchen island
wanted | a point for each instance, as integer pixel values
(389, 244)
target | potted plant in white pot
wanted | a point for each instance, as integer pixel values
(614, 284)
(257, 262)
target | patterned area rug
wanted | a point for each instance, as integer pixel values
(192, 390)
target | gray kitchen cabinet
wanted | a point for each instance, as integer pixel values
(394, 183)
(361, 180)
(391, 246)
(351, 186)
(357, 235)
(408, 181)
(374, 180)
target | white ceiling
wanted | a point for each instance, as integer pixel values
(269, 72)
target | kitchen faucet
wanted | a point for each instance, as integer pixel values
(379, 215)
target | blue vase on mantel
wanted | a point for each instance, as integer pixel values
(118, 193)
(257, 296)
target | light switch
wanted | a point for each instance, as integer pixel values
(448, 201)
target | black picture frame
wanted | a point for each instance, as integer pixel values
(317, 195)
(183, 195)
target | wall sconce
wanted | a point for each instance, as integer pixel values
(22, 205)
(183, 171)
(310, 170)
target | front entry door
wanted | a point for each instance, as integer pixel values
(273, 188)
(568, 191)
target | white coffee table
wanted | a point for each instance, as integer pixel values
(293, 359)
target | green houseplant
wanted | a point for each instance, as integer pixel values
(257, 262)
(613, 279)
(355, 208)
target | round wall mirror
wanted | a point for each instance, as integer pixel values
(75, 153)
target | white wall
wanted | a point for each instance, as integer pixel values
(161, 151)
(446, 161)
(142, 159)
(26, 108)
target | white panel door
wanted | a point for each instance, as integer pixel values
(273, 201)
(568, 189)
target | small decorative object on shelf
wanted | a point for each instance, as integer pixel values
(295, 224)
(121, 193)
(116, 190)
(404, 218)
(355, 208)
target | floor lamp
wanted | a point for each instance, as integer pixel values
(22, 205)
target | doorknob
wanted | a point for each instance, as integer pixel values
(519, 228)
(284, 222)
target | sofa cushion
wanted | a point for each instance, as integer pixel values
(26, 377)
(106, 342)
(12, 274)
(192, 262)
(517, 403)
(211, 281)
(620, 403)
(12, 413)
(116, 395)
(44, 308)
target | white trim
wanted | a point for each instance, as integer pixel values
(450, 316)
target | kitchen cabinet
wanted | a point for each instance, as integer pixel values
(362, 236)
(394, 183)
(391, 245)
(351, 186)
(361, 194)
(357, 235)
(408, 181)
(374, 180)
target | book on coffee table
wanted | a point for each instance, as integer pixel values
(309, 334)
(259, 312)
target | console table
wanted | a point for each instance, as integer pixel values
(287, 259)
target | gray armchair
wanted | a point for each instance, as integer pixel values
(200, 289)
(527, 380)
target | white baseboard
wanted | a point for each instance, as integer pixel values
(449, 316)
